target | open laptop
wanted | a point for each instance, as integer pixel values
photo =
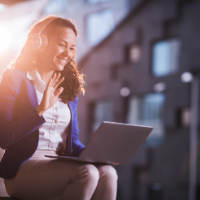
(112, 143)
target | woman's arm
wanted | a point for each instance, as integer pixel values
(12, 130)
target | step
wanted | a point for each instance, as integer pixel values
(7, 198)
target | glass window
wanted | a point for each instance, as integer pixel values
(102, 112)
(98, 26)
(165, 57)
(148, 110)
(96, 1)
(55, 7)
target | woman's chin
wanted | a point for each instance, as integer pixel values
(60, 67)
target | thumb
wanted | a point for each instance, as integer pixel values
(58, 92)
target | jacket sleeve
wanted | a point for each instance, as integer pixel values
(13, 129)
(77, 146)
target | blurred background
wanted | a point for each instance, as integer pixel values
(141, 63)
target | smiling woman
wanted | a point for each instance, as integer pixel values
(55, 52)
(38, 117)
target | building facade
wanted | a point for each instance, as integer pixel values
(134, 76)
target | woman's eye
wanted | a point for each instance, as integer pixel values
(62, 45)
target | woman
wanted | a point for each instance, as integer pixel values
(38, 117)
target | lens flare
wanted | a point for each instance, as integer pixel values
(5, 37)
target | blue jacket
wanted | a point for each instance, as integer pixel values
(19, 123)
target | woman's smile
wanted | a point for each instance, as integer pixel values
(62, 61)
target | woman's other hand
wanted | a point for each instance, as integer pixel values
(50, 95)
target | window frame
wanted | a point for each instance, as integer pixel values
(86, 26)
(148, 142)
(151, 55)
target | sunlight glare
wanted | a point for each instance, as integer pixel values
(12, 32)
(5, 37)
(2, 7)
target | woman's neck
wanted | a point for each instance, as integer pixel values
(45, 74)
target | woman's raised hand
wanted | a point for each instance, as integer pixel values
(51, 93)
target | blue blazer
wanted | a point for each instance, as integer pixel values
(19, 122)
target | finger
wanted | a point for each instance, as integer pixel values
(58, 92)
(56, 78)
(53, 77)
(59, 82)
(49, 83)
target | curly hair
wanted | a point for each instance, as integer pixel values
(27, 58)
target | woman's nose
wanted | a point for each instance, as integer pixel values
(67, 53)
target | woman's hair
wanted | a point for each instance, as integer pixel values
(28, 58)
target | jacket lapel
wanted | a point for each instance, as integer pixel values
(31, 91)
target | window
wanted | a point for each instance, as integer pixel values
(96, 1)
(134, 53)
(165, 57)
(55, 7)
(98, 26)
(102, 112)
(148, 110)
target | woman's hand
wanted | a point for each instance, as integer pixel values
(50, 95)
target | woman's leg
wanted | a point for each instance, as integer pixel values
(53, 179)
(107, 185)
(83, 183)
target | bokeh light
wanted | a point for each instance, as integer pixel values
(125, 91)
(186, 77)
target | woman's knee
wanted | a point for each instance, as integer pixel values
(90, 172)
(109, 172)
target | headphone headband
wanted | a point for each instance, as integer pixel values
(45, 25)
(37, 40)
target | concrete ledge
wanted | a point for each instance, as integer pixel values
(7, 198)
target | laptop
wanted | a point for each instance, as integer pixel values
(112, 143)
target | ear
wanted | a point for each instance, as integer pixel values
(44, 44)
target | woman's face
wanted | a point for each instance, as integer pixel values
(59, 50)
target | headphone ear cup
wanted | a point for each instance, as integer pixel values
(36, 41)
(44, 43)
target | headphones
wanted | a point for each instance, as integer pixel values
(38, 41)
